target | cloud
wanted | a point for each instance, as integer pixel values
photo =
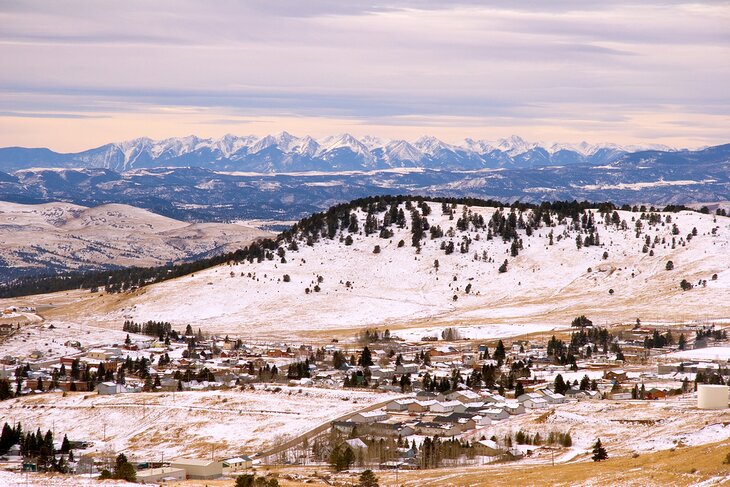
(569, 65)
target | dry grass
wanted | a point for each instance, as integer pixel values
(680, 467)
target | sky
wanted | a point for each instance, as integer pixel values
(78, 74)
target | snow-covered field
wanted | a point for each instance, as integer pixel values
(625, 427)
(66, 236)
(545, 285)
(9, 479)
(55, 340)
(477, 331)
(144, 426)
(709, 353)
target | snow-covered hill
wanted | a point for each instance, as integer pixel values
(334, 287)
(63, 236)
(285, 152)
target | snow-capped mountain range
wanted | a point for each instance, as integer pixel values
(284, 152)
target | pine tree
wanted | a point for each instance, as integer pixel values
(559, 385)
(599, 453)
(366, 358)
(368, 479)
(65, 445)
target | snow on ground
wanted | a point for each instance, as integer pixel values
(56, 236)
(9, 479)
(709, 353)
(398, 288)
(624, 427)
(54, 339)
(477, 331)
(144, 426)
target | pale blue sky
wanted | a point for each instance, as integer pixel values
(76, 74)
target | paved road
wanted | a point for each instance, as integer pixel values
(320, 429)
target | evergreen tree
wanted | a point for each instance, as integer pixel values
(599, 453)
(559, 385)
(5, 392)
(499, 353)
(366, 359)
(368, 479)
(65, 445)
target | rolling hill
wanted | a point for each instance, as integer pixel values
(58, 237)
(317, 286)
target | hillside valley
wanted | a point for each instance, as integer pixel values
(315, 286)
(61, 237)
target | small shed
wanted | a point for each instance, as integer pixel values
(238, 464)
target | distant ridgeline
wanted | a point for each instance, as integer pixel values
(311, 229)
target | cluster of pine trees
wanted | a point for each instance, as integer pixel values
(37, 446)
(160, 329)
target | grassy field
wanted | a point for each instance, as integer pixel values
(696, 466)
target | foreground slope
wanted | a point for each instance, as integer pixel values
(63, 236)
(334, 288)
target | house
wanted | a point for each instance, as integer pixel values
(345, 427)
(446, 407)
(494, 414)
(399, 405)
(110, 388)
(615, 375)
(406, 369)
(528, 395)
(369, 417)
(430, 428)
(238, 464)
(514, 408)
(536, 403)
(463, 396)
(420, 406)
(158, 475)
(553, 397)
(463, 420)
(386, 429)
(514, 454)
(356, 444)
(619, 396)
(487, 448)
(103, 354)
(655, 393)
(376, 373)
(199, 469)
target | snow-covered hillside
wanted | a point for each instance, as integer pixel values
(334, 288)
(63, 236)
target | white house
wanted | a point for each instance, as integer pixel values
(445, 407)
(399, 405)
(494, 414)
(369, 417)
(553, 397)
(535, 403)
(110, 388)
(463, 396)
